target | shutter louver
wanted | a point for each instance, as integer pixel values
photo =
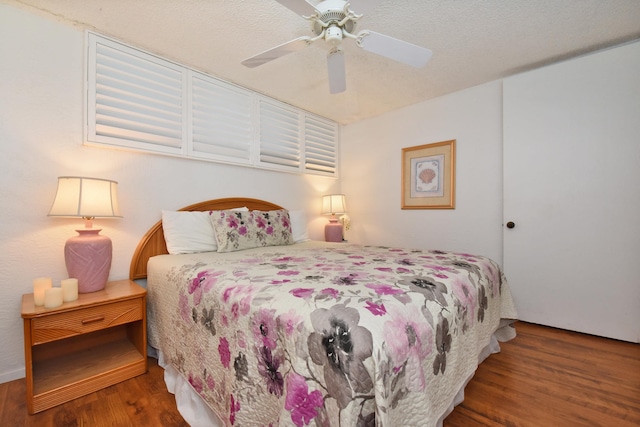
(320, 145)
(137, 98)
(220, 121)
(279, 136)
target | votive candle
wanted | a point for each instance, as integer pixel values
(69, 289)
(39, 286)
(52, 297)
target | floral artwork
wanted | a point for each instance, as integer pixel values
(428, 176)
(326, 336)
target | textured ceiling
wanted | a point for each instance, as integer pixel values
(473, 42)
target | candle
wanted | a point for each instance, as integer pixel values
(69, 289)
(39, 286)
(52, 297)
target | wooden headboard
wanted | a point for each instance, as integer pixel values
(153, 241)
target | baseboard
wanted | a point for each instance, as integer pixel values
(5, 377)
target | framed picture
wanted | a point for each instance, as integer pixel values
(429, 176)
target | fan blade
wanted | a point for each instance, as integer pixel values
(395, 49)
(362, 7)
(335, 65)
(276, 52)
(301, 7)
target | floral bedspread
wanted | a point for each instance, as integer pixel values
(326, 335)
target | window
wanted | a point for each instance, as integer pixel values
(140, 101)
(134, 99)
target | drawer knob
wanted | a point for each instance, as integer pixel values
(92, 320)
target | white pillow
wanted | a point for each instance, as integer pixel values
(299, 226)
(187, 232)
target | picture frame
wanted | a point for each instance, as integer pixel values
(429, 176)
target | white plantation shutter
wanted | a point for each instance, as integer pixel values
(139, 101)
(221, 126)
(320, 146)
(279, 135)
(134, 97)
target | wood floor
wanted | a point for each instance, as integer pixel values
(141, 401)
(549, 377)
(544, 378)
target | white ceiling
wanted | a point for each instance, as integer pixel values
(473, 42)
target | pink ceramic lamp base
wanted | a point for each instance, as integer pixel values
(88, 259)
(333, 230)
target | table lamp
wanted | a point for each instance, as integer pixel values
(88, 255)
(331, 205)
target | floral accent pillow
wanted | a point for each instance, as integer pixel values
(236, 231)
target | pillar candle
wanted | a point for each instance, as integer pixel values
(52, 297)
(39, 286)
(69, 289)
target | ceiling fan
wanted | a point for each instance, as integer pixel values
(333, 21)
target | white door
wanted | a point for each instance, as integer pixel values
(572, 192)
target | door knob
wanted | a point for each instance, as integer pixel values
(511, 224)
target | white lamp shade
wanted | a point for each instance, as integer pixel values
(86, 197)
(334, 204)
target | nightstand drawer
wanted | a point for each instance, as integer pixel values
(81, 321)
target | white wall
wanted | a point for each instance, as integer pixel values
(371, 149)
(41, 109)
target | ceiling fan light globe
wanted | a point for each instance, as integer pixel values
(333, 35)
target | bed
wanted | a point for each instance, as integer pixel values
(316, 333)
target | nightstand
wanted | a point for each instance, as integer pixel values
(84, 345)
